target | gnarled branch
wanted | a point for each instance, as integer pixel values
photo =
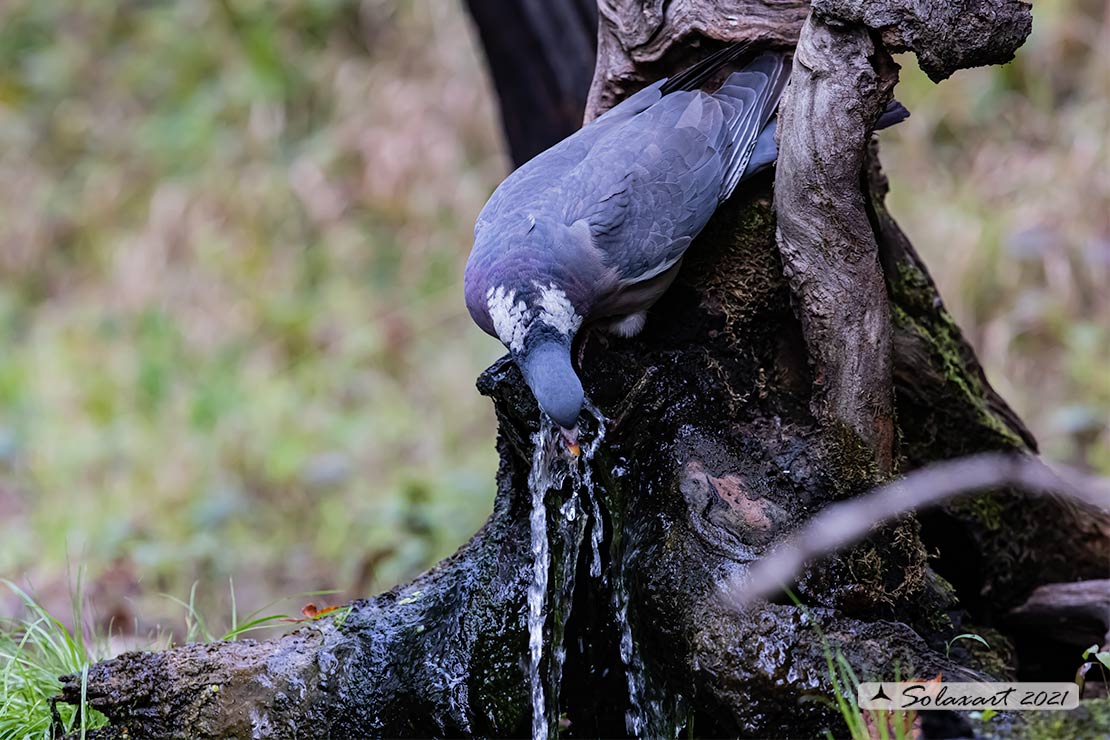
(827, 243)
(946, 35)
(840, 525)
(640, 41)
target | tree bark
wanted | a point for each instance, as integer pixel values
(840, 85)
(746, 405)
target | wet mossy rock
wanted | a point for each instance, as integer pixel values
(714, 450)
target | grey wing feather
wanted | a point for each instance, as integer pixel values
(651, 184)
(535, 176)
(765, 151)
(765, 78)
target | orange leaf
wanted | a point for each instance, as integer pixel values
(898, 724)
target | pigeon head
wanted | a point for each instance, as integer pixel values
(530, 283)
(538, 326)
(545, 364)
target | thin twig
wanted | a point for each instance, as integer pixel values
(844, 523)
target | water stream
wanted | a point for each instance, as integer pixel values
(543, 477)
(586, 484)
(634, 718)
(554, 565)
(550, 469)
(652, 710)
(572, 527)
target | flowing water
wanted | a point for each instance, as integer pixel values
(586, 484)
(635, 717)
(550, 469)
(572, 528)
(551, 466)
(543, 477)
(652, 710)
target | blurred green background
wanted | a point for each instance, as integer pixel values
(232, 335)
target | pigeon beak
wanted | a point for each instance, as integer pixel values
(570, 437)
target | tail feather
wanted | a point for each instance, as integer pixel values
(766, 152)
(755, 92)
(895, 113)
(694, 77)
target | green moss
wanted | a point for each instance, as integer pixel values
(748, 281)
(1090, 720)
(913, 289)
(964, 414)
(987, 510)
(906, 539)
(933, 606)
(868, 567)
(852, 468)
(889, 570)
(892, 566)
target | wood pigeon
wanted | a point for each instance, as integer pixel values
(593, 230)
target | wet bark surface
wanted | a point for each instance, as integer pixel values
(720, 438)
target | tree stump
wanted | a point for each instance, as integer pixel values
(802, 356)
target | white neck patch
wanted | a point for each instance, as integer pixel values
(512, 318)
(556, 309)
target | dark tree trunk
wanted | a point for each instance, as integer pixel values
(541, 57)
(743, 408)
